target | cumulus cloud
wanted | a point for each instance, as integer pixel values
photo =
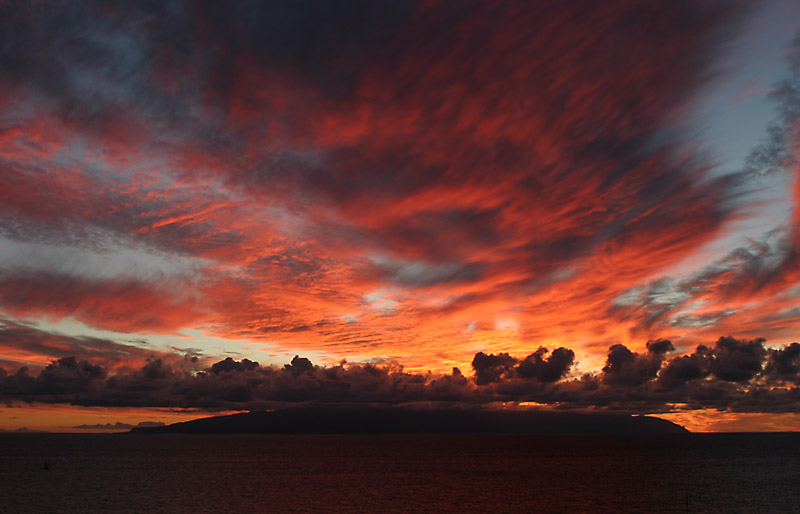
(784, 364)
(229, 364)
(685, 368)
(492, 368)
(65, 376)
(735, 360)
(535, 367)
(299, 365)
(726, 375)
(624, 367)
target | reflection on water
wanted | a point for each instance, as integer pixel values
(711, 473)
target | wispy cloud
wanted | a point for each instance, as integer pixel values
(433, 183)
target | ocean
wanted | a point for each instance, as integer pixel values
(166, 473)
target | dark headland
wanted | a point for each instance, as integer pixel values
(404, 420)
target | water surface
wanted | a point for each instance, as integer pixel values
(711, 473)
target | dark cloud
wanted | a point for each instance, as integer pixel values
(228, 365)
(627, 368)
(63, 378)
(242, 386)
(536, 367)
(659, 346)
(299, 365)
(725, 376)
(685, 368)
(492, 368)
(784, 364)
(92, 61)
(552, 369)
(737, 360)
(156, 369)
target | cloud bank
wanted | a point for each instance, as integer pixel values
(419, 183)
(732, 374)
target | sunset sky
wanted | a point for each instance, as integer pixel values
(579, 205)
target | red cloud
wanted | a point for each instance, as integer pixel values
(120, 305)
(420, 183)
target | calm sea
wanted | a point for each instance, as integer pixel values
(719, 473)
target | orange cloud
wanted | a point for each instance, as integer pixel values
(419, 182)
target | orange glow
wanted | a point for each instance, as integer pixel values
(725, 421)
(65, 418)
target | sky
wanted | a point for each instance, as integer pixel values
(211, 207)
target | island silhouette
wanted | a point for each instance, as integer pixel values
(327, 419)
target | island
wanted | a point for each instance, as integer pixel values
(356, 419)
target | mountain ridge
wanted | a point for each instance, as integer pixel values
(317, 419)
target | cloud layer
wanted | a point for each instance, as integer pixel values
(732, 374)
(432, 183)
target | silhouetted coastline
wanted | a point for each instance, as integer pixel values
(405, 420)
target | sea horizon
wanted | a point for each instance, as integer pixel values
(119, 473)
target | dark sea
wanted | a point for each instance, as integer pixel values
(712, 473)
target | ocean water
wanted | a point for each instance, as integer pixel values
(709, 473)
